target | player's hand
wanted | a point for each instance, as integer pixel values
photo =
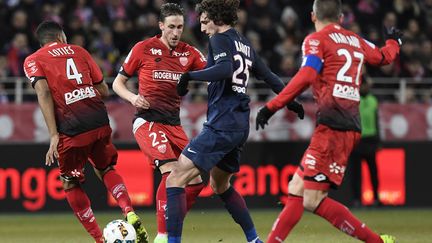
(52, 154)
(296, 107)
(140, 101)
(262, 117)
(182, 84)
(394, 34)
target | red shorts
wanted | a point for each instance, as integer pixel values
(160, 143)
(94, 146)
(324, 162)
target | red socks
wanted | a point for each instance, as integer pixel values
(115, 185)
(288, 218)
(192, 192)
(80, 204)
(340, 217)
(334, 212)
(161, 200)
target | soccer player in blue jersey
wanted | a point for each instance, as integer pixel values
(217, 148)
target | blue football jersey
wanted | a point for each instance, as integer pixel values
(231, 60)
(228, 103)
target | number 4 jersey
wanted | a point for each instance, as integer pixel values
(70, 73)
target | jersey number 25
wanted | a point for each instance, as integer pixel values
(240, 76)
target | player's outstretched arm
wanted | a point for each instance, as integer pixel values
(387, 54)
(223, 68)
(218, 72)
(262, 117)
(286, 98)
(262, 72)
(296, 86)
(182, 84)
(393, 33)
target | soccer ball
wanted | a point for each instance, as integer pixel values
(119, 231)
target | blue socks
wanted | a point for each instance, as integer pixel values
(234, 203)
(176, 212)
(236, 206)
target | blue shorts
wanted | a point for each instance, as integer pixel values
(216, 148)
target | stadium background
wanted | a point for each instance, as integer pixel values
(109, 28)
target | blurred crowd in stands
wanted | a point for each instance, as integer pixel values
(276, 28)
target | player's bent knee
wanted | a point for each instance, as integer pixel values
(312, 199)
(295, 189)
(177, 178)
(196, 180)
(310, 205)
(167, 167)
(219, 190)
(219, 187)
(101, 173)
(296, 186)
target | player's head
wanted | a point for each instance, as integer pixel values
(171, 23)
(327, 11)
(216, 13)
(50, 31)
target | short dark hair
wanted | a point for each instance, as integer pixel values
(220, 11)
(170, 9)
(48, 31)
(330, 10)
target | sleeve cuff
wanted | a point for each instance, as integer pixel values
(34, 80)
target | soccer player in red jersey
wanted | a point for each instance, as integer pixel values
(159, 61)
(332, 64)
(70, 88)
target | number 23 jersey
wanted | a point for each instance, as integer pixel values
(158, 69)
(71, 73)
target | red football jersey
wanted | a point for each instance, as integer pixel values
(70, 72)
(158, 69)
(339, 54)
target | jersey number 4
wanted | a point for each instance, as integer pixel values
(72, 71)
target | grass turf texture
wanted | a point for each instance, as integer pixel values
(202, 226)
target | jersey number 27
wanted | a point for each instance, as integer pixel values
(349, 90)
(341, 75)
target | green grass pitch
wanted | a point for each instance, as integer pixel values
(207, 226)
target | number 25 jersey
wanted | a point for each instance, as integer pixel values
(71, 73)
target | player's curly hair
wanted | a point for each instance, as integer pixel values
(170, 9)
(220, 11)
(328, 10)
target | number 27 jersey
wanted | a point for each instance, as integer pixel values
(336, 89)
(70, 73)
